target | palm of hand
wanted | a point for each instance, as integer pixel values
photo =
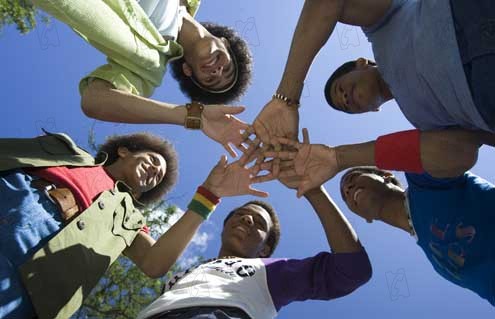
(317, 163)
(223, 128)
(277, 119)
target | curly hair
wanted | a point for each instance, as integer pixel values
(341, 70)
(368, 170)
(241, 53)
(274, 235)
(145, 142)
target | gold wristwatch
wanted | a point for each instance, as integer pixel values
(193, 117)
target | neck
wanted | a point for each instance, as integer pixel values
(224, 252)
(190, 32)
(114, 170)
(394, 211)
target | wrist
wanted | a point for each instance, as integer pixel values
(203, 202)
(353, 155)
(399, 151)
(317, 191)
(287, 100)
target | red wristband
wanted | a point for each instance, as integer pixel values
(209, 195)
(399, 151)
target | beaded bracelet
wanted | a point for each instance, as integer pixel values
(203, 202)
(287, 100)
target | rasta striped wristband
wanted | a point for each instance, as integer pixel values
(204, 202)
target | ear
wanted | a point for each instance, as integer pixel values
(361, 63)
(123, 152)
(186, 69)
(225, 42)
(265, 251)
(388, 177)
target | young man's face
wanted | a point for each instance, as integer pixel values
(211, 64)
(246, 231)
(357, 91)
(142, 170)
(366, 193)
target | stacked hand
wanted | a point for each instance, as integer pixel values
(277, 119)
(233, 179)
(222, 126)
(309, 165)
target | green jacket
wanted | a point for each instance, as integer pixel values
(62, 273)
(137, 53)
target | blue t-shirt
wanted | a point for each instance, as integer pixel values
(454, 220)
(416, 50)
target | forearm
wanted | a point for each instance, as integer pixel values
(160, 257)
(340, 235)
(103, 102)
(315, 25)
(445, 153)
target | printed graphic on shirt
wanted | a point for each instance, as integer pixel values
(227, 268)
(450, 244)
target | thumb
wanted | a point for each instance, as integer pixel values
(223, 161)
(305, 136)
(233, 109)
(303, 188)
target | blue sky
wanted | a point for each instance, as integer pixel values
(39, 80)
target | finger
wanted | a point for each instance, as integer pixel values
(223, 161)
(288, 142)
(262, 132)
(287, 173)
(262, 178)
(238, 124)
(229, 149)
(256, 192)
(284, 155)
(276, 167)
(305, 136)
(233, 109)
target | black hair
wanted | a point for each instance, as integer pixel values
(274, 235)
(239, 50)
(145, 142)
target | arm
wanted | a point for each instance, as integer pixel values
(100, 100)
(327, 275)
(445, 153)
(340, 235)
(318, 19)
(156, 258)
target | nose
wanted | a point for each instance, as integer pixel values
(247, 219)
(217, 71)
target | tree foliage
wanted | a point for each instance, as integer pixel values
(19, 12)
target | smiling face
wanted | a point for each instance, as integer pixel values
(358, 91)
(141, 170)
(245, 233)
(366, 193)
(210, 64)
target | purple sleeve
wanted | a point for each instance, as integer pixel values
(325, 276)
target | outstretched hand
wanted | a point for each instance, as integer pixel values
(313, 163)
(233, 179)
(222, 126)
(276, 119)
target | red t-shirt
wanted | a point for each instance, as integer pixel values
(85, 183)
